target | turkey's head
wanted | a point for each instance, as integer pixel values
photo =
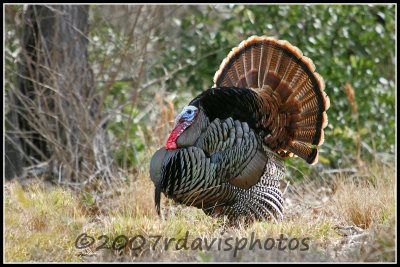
(187, 128)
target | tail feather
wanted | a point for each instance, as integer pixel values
(310, 135)
(312, 119)
(310, 155)
(286, 83)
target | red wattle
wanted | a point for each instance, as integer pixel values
(171, 142)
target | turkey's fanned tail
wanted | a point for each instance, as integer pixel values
(291, 104)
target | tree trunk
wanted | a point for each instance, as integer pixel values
(54, 118)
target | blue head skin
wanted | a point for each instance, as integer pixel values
(187, 115)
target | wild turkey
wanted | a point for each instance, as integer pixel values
(226, 152)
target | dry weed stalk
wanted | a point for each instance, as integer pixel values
(349, 91)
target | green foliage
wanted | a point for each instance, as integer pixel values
(347, 43)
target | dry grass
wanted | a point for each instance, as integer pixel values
(364, 201)
(345, 219)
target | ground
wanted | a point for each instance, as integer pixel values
(340, 218)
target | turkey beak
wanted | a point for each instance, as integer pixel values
(177, 120)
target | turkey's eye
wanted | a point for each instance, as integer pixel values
(189, 112)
